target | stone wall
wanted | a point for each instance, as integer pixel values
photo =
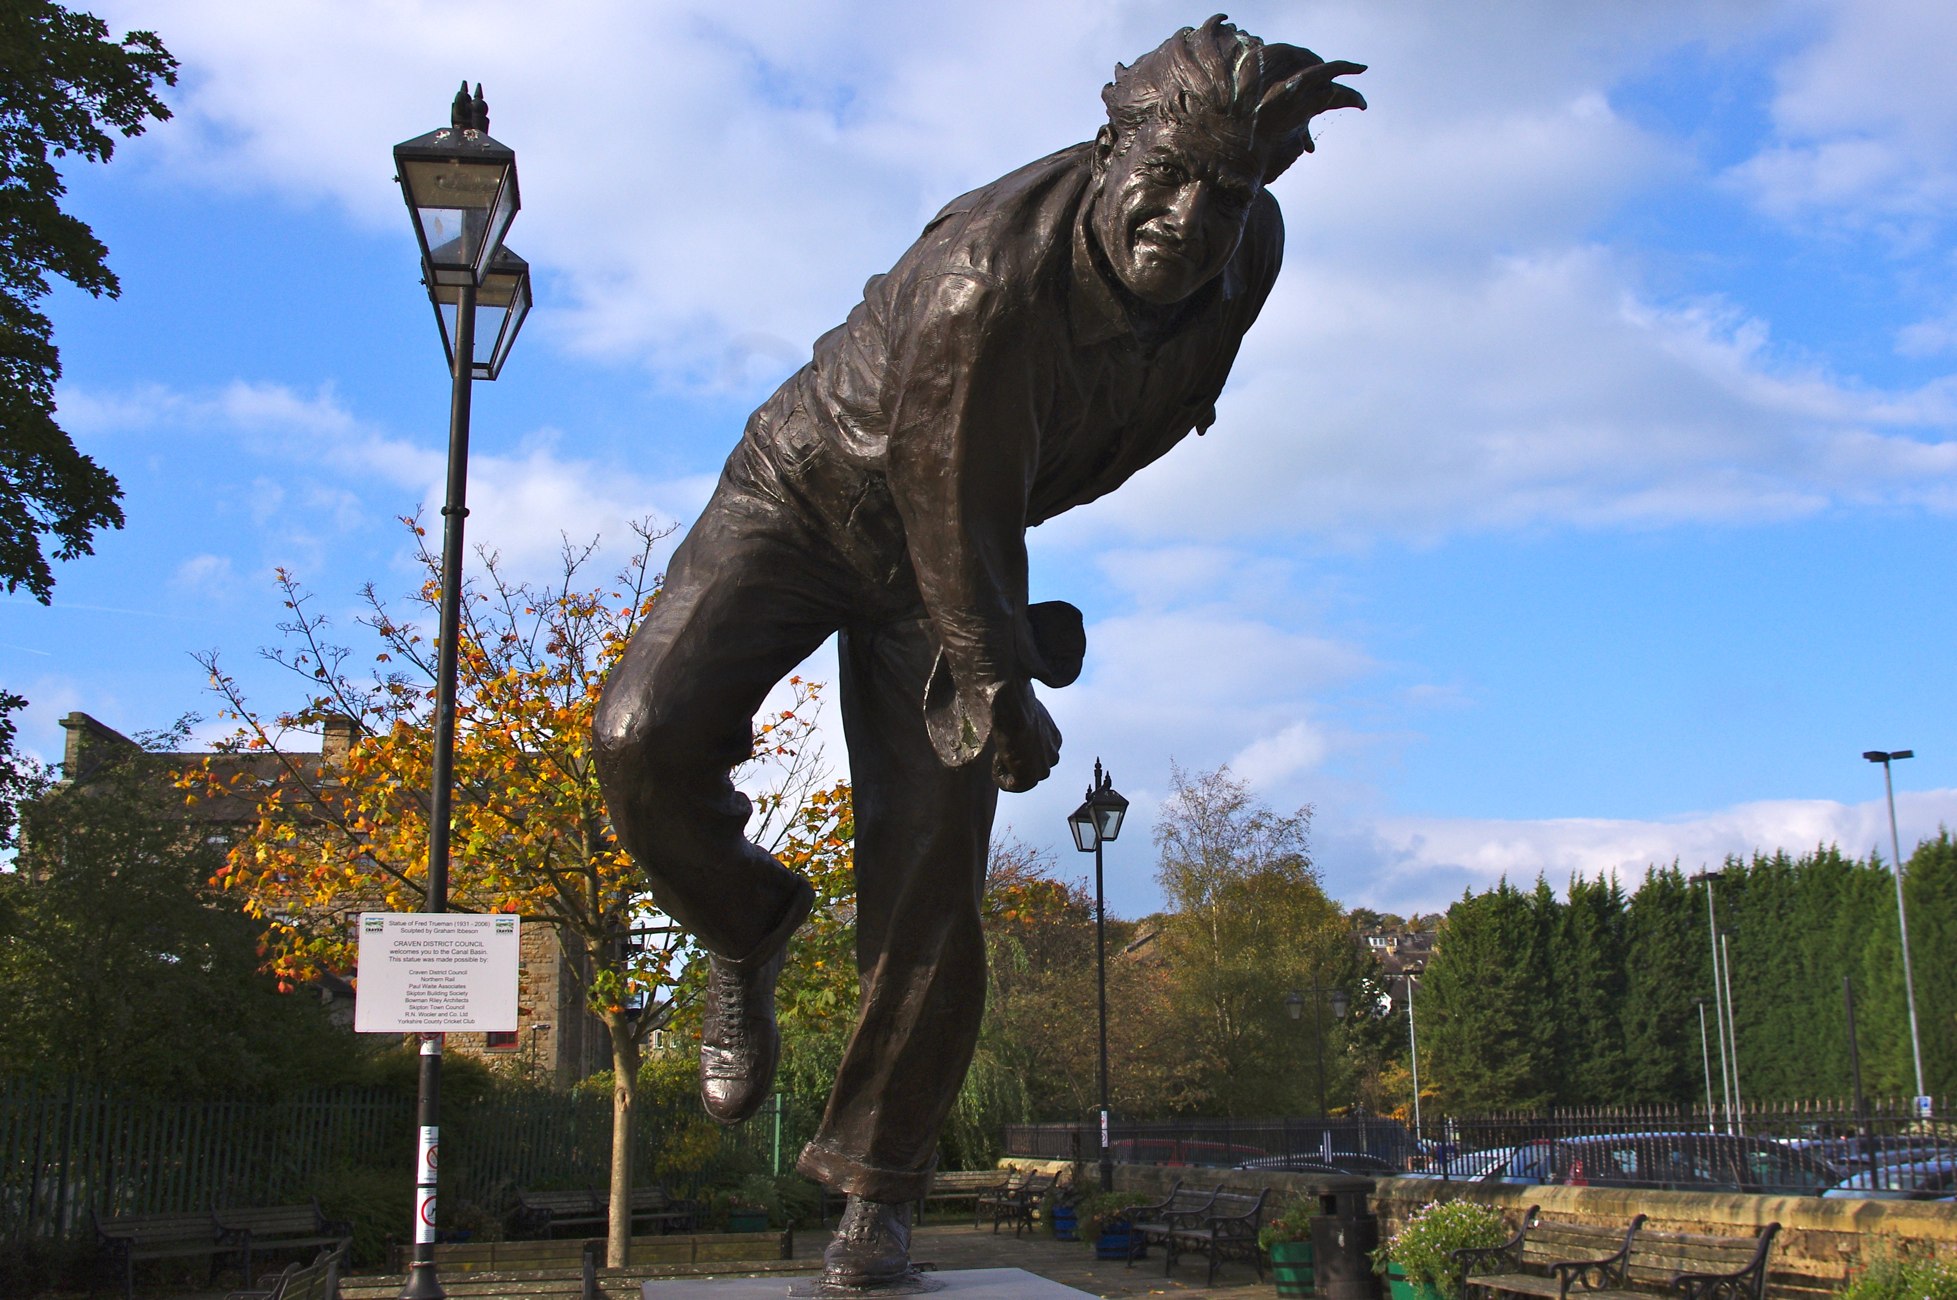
(1820, 1238)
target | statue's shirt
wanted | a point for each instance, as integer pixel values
(992, 379)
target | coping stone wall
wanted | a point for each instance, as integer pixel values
(1820, 1238)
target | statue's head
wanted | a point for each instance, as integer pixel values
(1196, 128)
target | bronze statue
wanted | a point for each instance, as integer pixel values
(1046, 336)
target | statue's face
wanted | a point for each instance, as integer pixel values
(1171, 207)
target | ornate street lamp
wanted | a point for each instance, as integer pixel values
(501, 304)
(1294, 1006)
(1096, 822)
(460, 187)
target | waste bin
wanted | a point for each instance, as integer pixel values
(1342, 1242)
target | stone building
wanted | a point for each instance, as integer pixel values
(557, 1041)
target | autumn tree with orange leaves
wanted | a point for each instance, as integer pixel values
(327, 840)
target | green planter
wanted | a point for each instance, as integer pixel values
(1291, 1268)
(1396, 1282)
(743, 1219)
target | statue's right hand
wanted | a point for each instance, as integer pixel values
(1025, 742)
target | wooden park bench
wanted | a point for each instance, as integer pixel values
(1015, 1203)
(1149, 1225)
(124, 1240)
(1600, 1263)
(262, 1230)
(953, 1185)
(319, 1280)
(544, 1213)
(1227, 1230)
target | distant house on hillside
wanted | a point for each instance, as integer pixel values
(1401, 954)
(557, 1041)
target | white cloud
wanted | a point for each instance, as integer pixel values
(335, 473)
(1536, 392)
(1423, 863)
(205, 576)
(1445, 351)
(1863, 119)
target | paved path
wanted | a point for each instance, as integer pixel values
(959, 1245)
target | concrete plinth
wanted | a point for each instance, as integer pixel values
(955, 1284)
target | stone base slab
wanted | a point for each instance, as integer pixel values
(954, 1284)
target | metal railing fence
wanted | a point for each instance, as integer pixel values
(1879, 1146)
(69, 1147)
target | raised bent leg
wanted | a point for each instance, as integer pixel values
(922, 835)
(744, 601)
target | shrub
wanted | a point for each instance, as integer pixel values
(378, 1202)
(1888, 1276)
(1424, 1244)
(1292, 1223)
(1102, 1210)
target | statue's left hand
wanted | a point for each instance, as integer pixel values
(1026, 744)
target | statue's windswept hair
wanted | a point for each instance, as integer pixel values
(1218, 71)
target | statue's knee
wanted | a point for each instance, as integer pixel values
(622, 737)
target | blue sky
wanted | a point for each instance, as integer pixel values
(1582, 500)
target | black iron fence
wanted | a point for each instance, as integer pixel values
(1880, 1148)
(68, 1148)
(1369, 1143)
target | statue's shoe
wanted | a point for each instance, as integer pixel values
(871, 1248)
(739, 1043)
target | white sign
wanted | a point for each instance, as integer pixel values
(1925, 1107)
(436, 973)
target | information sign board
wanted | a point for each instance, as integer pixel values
(437, 973)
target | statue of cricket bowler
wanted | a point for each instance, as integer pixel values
(1046, 337)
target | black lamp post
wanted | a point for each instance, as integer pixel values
(1095, 822)
(1294, 1006)
(461, 192)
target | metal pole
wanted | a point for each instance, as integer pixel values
(423, 1284)
(1732, 1032)
(1902, 925)
(1718, 1000)
(1855, 1061)
(1318, 1028)
(1101, 974)
(1705, 1056)
(1413, 1045)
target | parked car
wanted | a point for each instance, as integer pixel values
(1920, 1180)
(1318, 1162)
(1681, 1161)
(1182, 1151)
(1292, 1165)
(1466, 1166)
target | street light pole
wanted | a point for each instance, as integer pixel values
(1732, 1034)
(460, 187)
(1294, 1006)
(1413, 1046)
(1705, 1056)
(1718, 998)
(1902, 913)
(1094, 823)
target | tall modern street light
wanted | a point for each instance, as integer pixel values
(1705, 1056)
(1413, 1048)
(461, 192)
(1885, 757)
(1096, 822)
(1294, 1006)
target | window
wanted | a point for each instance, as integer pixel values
(496, 1042)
